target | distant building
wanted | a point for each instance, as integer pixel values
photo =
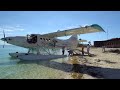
(111, 43)
(98, 43)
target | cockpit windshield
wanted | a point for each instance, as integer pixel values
(32, 38)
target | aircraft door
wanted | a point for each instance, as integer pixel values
(32, 39)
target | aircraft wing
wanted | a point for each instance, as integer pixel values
(81, 30)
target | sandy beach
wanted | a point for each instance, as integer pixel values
(98, 66)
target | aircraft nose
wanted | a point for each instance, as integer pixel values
(3, 39)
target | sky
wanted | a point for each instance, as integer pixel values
(21, 23)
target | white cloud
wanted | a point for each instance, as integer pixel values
(20, 29)
(29, 32)
(7, 28)
(6, 33)
(17, 26)
(69, 27)
(85, 25)
(42, 33)
(0, 28)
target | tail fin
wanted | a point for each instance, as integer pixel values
(73, 41)
(73, 38)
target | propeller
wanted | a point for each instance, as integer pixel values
(4, 38)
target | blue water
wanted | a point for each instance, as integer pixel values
(11, 68)
(4, 52)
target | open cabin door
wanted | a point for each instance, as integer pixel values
(32, 39)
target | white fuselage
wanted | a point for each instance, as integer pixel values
(36, 41)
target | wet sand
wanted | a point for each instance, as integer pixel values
(97, 66)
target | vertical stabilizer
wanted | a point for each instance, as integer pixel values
(73, 38)
(73, 41)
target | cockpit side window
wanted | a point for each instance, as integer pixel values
(32, 38)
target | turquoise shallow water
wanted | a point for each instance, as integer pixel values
(11, 68)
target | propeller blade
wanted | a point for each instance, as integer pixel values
(4, 44)
(4, 38)
(4, 34)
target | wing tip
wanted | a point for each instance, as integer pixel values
(98, 27)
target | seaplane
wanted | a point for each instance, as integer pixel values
(49, 42)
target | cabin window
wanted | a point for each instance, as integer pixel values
(46, 39)
(40, 38)
(9, 39)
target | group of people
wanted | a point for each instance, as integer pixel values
(88, 49)
(71, 52)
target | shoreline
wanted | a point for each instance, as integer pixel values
(99, 66)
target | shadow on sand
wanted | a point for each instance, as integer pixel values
(97, 72)
(115, 51)
(91, 55)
